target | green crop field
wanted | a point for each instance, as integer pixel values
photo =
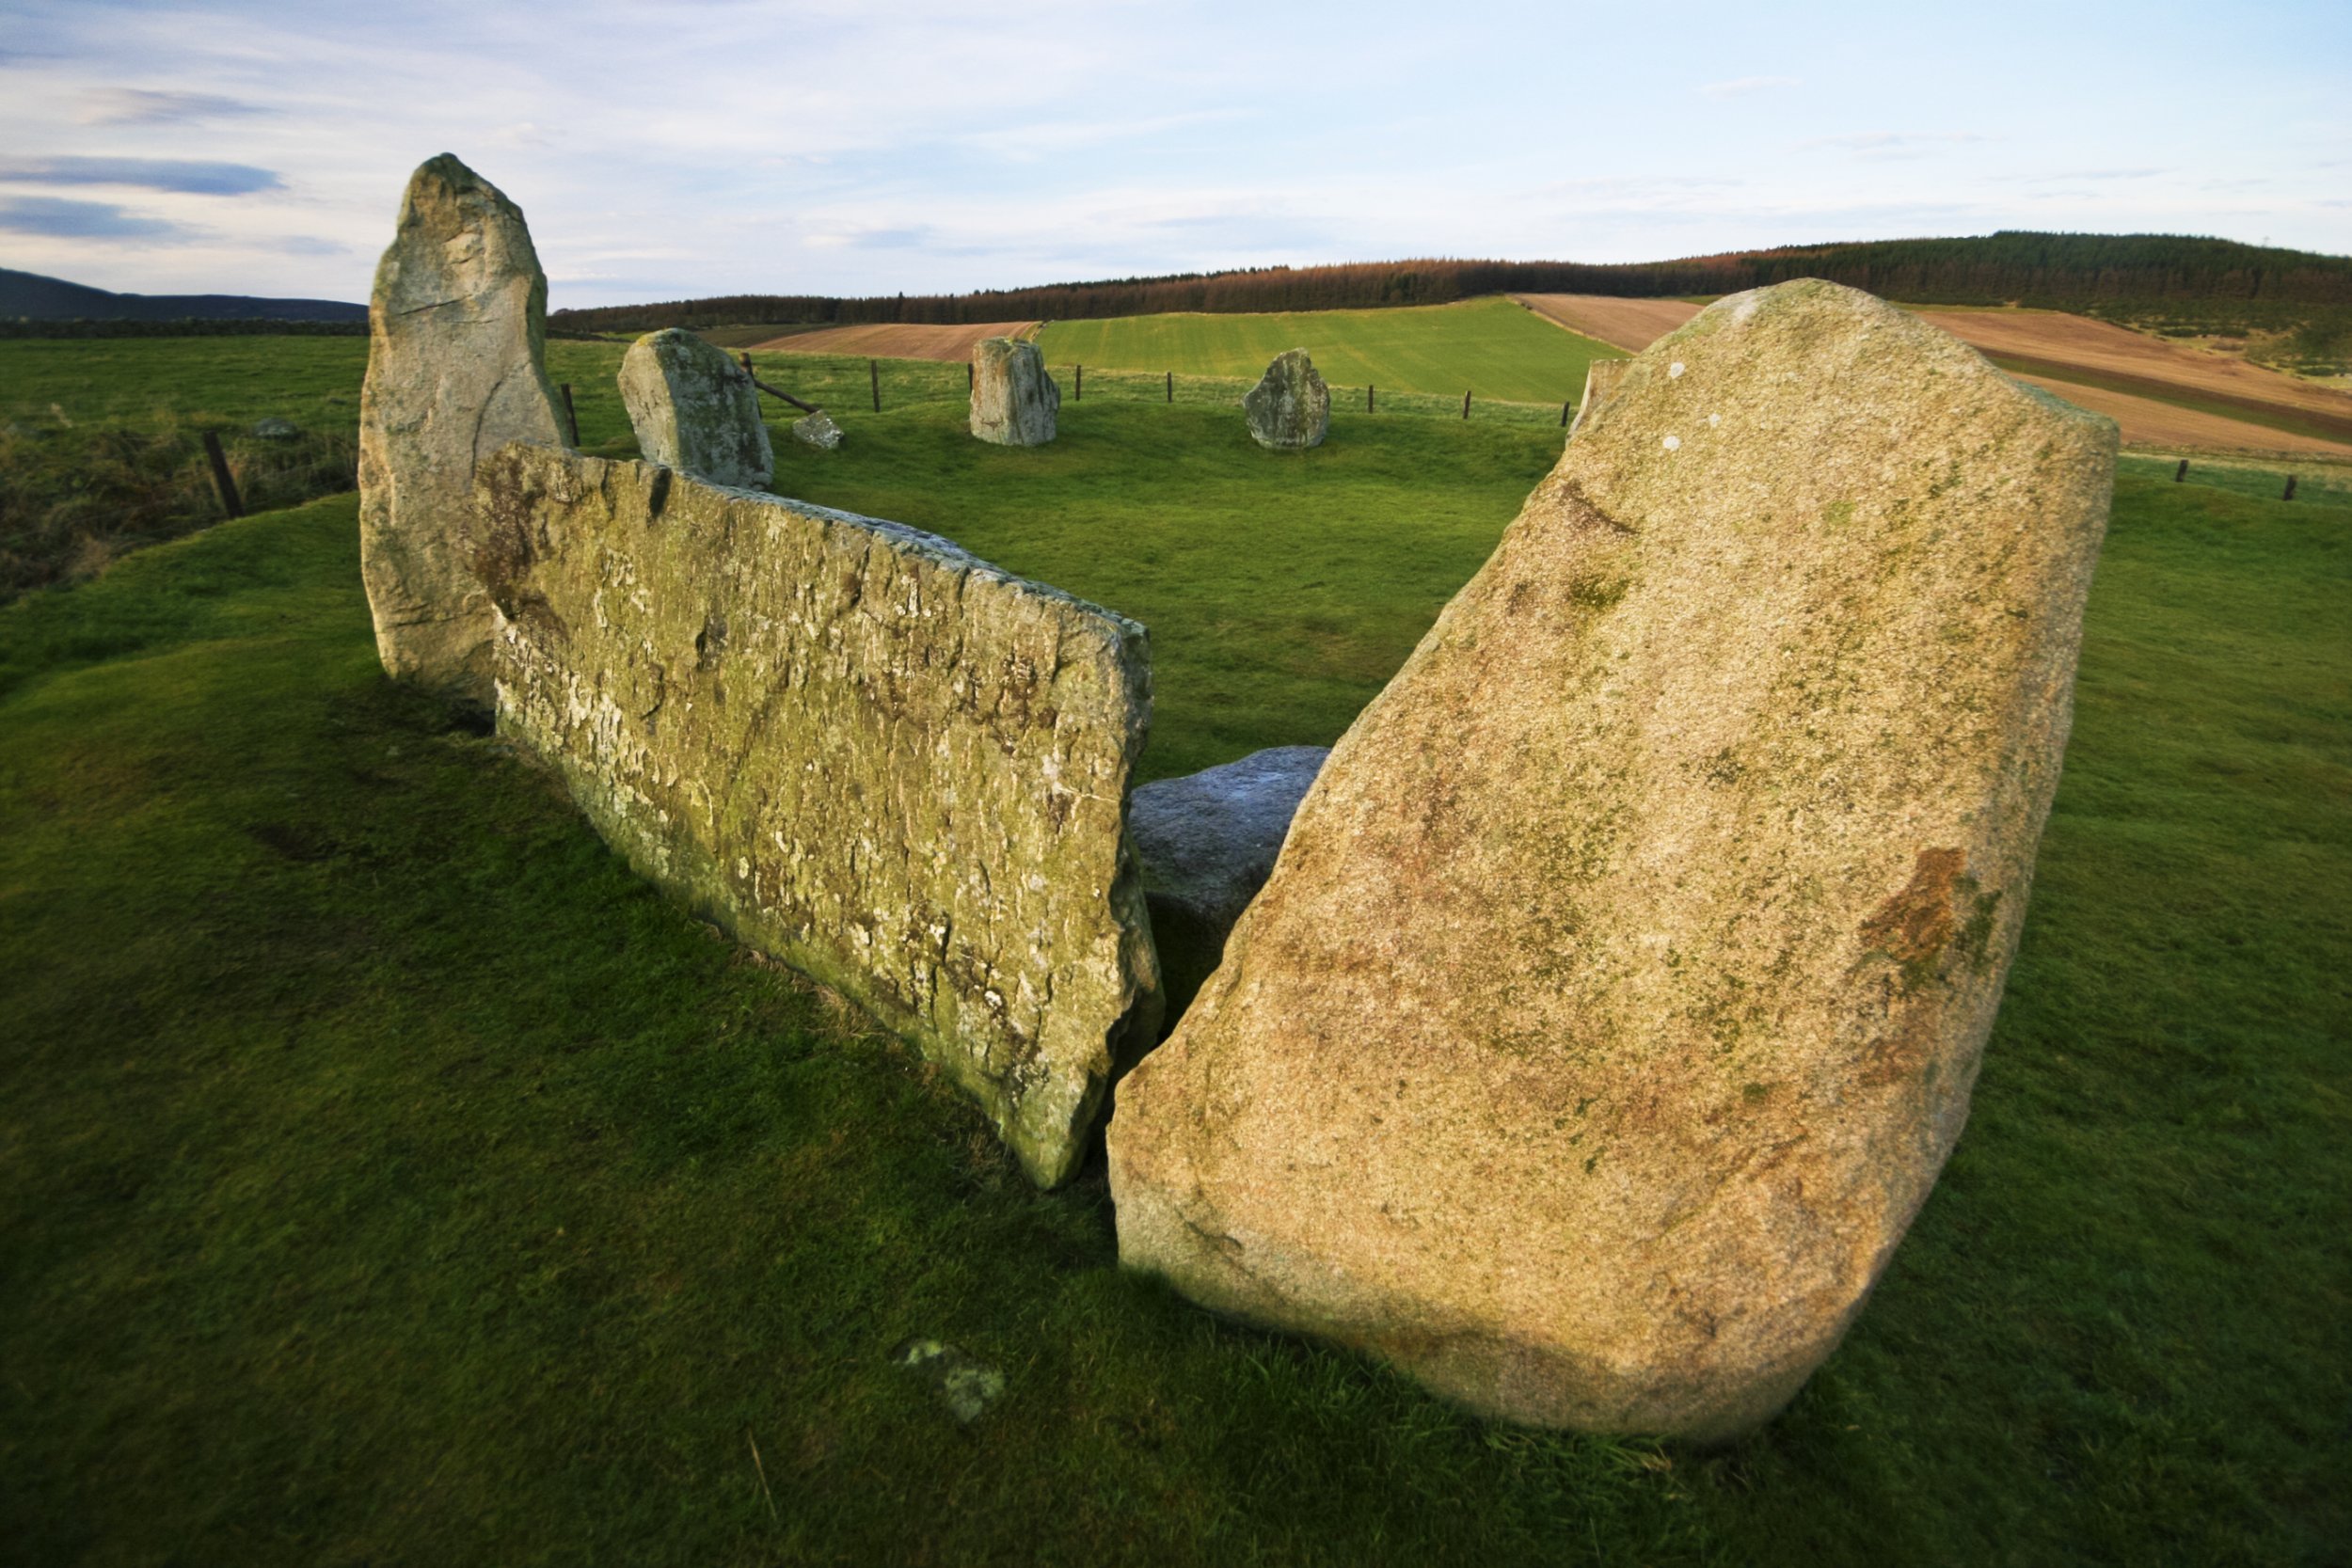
(387, 1176)
(1491, 348)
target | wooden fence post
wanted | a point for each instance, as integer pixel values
(1564, 414)
(1171, 386)
(1466, 404)
(1081, 396)
(2181, 472)
(1368, 392)
(227, 485)
(571, 416)
(971, 375)
(2290, 495)
(873, 374)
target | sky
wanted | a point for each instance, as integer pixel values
(680, 148)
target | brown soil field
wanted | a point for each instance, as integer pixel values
(2061, 342)
(890, 341)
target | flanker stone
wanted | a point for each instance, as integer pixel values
(859, 749)
(456, 328)
(1619, 990)
(1207, 842)
(1290, 408)
(1014, 403)
(1600, 379)
(818, 430)
(695, 410)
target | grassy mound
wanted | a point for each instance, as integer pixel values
(387, 1176)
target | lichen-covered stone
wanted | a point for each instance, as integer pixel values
(858, 748)
(1014, 403)
(1619, 990)
(456, 328)
(818, 430)
(1290, 408)
(695, 410)
(1207, 842)
(1600, 379)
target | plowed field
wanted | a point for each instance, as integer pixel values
(895, 341)
(2131, 374)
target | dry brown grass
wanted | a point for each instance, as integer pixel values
(896, 340)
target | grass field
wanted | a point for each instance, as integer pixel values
(1489, 347)
(387, 1176)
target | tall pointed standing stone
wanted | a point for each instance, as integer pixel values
(1014, 403)
(1619, 989)
(457, 330)
(695, 410)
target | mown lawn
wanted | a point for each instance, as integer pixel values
(1492, 348)
(386, 1176)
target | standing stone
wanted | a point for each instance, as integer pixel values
(1207, 842)
(817, 430)
(1290, 408)
(1619, 990)
(695, 410)
(862, 750)
(456, 330)
(1014, 403)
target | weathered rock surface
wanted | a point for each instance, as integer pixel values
(1014, 403)
(457, 328)
(1207, 842)
(817, 430)
(856, 747)
(1621, 985)
(695, 410)
(1600, 379)
(1290, 408)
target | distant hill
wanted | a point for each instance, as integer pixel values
(2060, 270)
(30, 296)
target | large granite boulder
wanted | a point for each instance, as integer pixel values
(1014, 403)
(695, 410)
(1290, 408)
(858, 748)
(456, 330)
(1618, 993)
(1208, 842)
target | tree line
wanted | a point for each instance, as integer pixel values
(2051, 270)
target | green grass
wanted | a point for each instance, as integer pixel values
(387, 1176)
(1490, 347)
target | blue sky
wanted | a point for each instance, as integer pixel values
(677, 149)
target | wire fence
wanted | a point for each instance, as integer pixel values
(846, 383)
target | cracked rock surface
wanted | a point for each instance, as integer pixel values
(1619, 990)
(856, 747)
(456, 328)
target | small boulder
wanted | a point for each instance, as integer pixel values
(1014, 403)
(817, 430)
(695, 410)
(1207, 842)
(1290, 409)
(275, 429)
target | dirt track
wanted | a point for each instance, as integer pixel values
(894, 341)
(2059, 341)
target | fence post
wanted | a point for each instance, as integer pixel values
(1564, 414)
(971, 375)
(571, 416)
(2290, 495)
(1082, 384)
(1466, 404)
(228, 485)
(1171, 386)
(1368, 390)
(873, 374)
(2181, 472)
